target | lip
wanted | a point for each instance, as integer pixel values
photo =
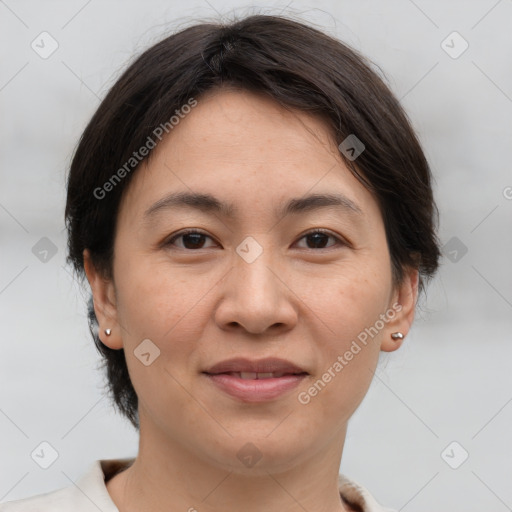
(224, 376)
(255, 390)
(267, 365)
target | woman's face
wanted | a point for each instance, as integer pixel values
(258, 282)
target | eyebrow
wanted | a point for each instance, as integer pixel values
(210, 204)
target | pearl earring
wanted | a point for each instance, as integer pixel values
(397, 336)
(108, 332)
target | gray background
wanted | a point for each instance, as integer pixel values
(451, 380)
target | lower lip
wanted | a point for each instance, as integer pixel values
(255, 390)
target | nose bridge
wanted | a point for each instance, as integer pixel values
(255, 297)
(253, 266)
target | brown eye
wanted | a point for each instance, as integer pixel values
(191, 239)
(319, 239)
(194, 239)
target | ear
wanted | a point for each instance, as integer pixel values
(104, 299)
(403, 302)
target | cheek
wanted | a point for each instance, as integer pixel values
(171, 309)
(349, 299)
(351, 332)
(163, 308)
(153, 298)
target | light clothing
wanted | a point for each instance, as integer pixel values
(90, 493)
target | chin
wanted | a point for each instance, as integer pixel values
(258, 456)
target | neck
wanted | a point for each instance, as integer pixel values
(167, 476)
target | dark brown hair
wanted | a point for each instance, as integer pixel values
(299, 67)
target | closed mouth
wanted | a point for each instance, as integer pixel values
(258, 375)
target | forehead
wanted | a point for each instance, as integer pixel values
(228, 120)
(249, 150)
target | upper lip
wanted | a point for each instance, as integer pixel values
(267, 365)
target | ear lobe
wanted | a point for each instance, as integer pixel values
(404, 303)
(103, 293)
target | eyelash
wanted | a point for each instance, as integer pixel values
(340, 242)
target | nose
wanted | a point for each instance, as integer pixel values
(255, 297)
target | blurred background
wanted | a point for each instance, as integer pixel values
(434, 432)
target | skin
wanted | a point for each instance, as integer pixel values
(204, 305)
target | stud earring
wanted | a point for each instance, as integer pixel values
(397, 336)
(108, 332)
